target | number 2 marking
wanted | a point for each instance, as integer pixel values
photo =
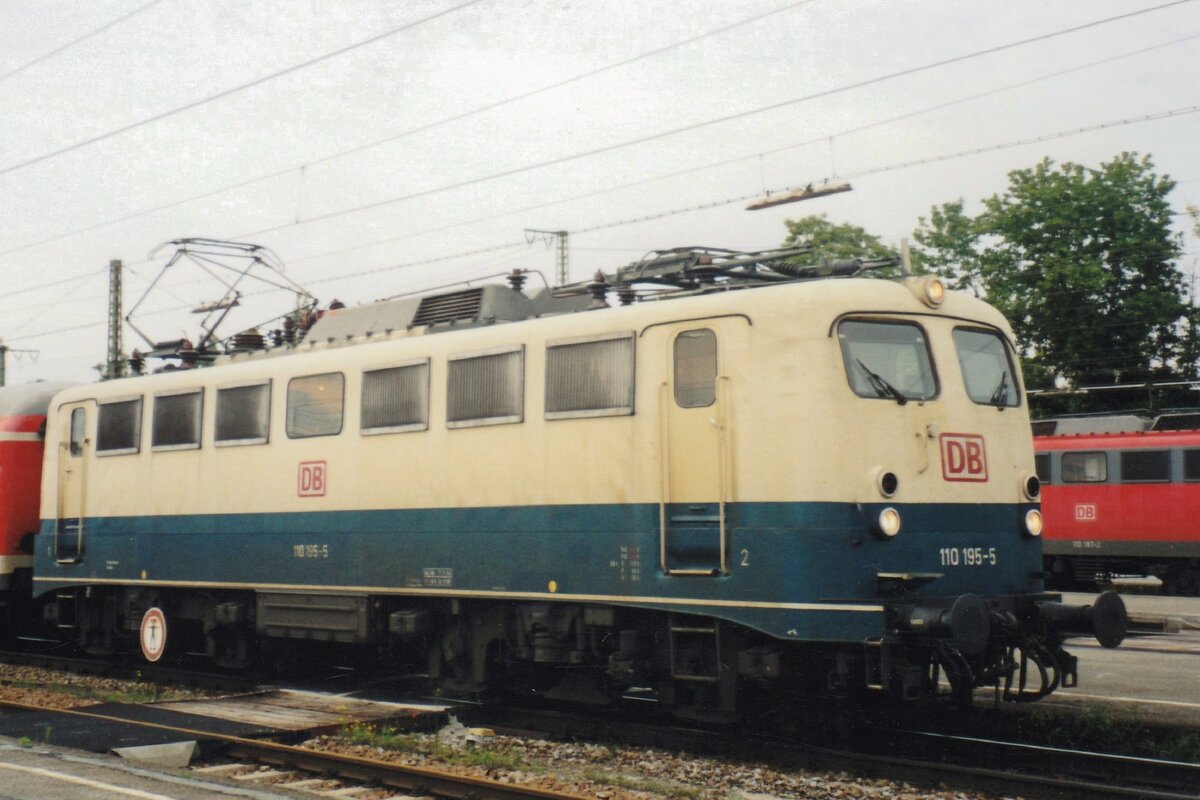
(745, 558)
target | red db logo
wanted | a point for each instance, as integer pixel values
(311, 482)
(1085, 512)
(964, 457)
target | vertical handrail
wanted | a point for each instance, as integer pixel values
(664, 489)
(59, 502)
(724, 464)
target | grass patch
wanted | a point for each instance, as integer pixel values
(468, 755)
(147, 694)
(640, 784)
(1099, 729)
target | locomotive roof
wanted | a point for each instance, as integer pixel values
(1123, 440)
(1118, 424)
(803, 305)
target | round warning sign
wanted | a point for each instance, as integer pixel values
(154, 634)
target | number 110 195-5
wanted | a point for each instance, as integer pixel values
(968, 556)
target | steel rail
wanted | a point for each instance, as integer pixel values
(916, 757)
(396, 776)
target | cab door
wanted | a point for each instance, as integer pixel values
(73, 459)
(694, 439)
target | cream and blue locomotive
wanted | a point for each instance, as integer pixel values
(760, 480)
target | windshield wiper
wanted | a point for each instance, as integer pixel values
(1000, 396)
(880, 385)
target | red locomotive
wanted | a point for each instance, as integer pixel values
(1121, 496)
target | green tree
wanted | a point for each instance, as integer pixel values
(831, 242)
(947, 245)
(1081, 261)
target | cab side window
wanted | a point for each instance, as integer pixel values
(119, 427)
(696, 368)
(1042, 464)
(243, 414)
(1084, 467)
(314, 405)
(78, 431)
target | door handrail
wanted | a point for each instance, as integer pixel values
(724, 465)
(664, 488)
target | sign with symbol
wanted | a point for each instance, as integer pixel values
(964, 457)
(311, 481)
(1085, 512)
(154, 634)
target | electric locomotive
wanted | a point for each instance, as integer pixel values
(760, 478)
(1121, 498)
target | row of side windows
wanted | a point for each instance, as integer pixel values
(1132, 466)
(584, 378)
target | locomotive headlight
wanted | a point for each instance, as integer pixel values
(1031, 487)
(1033, 522)
(887, 483)
(888, 523)
(931, 291)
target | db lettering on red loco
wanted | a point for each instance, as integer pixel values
(964, 457)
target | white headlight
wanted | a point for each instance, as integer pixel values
(934, 292)
(888, 524)
(1033, 522)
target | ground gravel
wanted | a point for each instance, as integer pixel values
(627, 773)
(56, 689)
(605, 772)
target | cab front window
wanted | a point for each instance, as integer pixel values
(986, 368)
(887, 360)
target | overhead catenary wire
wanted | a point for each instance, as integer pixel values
(492, 106)
(74, 42)
(905, 165)
(698, 207)
(729, 161)
(595, 193)
(361, 273)
(242, 87)
(712, 121)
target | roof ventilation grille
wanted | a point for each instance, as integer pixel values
(449, 307)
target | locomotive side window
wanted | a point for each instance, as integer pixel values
(1084, 468)
(176, 423)
(1141, 466)
(78, 431)
(119, 427)
(1191, 465)
(396, 399)
(887, 360)
(696, 368)
(590, 378)
(486, 388)
(986, 368)
(243, 414)
(1041, 463)
(314, 405)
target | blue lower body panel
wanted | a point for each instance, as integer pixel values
(798, 571)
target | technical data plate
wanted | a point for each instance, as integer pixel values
(99, 728)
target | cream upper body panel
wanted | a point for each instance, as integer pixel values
(795, 429)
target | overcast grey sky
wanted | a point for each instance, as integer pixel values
(465, 121)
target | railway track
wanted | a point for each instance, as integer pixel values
(312, 767)
(923, 758)
(928, 758)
